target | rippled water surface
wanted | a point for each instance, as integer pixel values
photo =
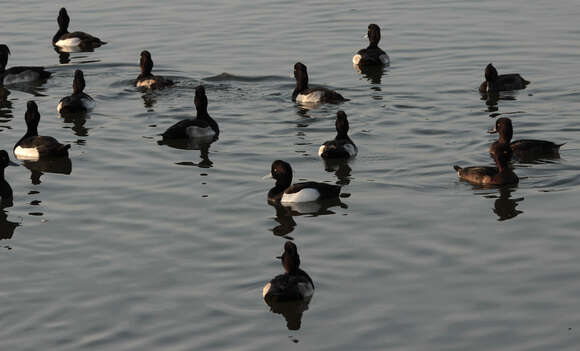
(137, 245)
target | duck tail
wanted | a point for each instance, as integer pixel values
(458, 169)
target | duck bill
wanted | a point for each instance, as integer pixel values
(267, 176)
(492, 131)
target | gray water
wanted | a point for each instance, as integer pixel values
(144, 246)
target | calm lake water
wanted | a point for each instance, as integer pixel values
(135, 245)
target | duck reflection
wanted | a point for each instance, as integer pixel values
(57, 165)
(6, 227)
(5, 188)
(63, 57)
(340, 168)
(78, 120)
(290, 293)
(201, 144)
(291, 310)
(4, 102)
(286, 212)
(492, 98)
(504, 205)
(373, 74)
(149, 100)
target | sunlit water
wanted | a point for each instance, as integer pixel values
(135, 245)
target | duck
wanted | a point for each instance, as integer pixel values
(502, 174)
(19, 74)
(5, 189)
(505, 82)
(295, 284)
(78, 102)
(342, 146)
(286, 192)
(75, 40)
(525, 149)
(203, 126)
(372, 55)
(32, 146)
(312, 95)
(146, 79)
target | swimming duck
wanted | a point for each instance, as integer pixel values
(203, 126)
(32, 146)
(342, 146)
(372, 55)
(68, 41)
(78, 102)
(18, 74)
(485, 175)
(5, 189)
(494, 82)
(295, 284)
(146, 78)
(303, 94)
(525, 149)
(286, 192)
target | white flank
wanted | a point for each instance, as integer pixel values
(146, 83)
(385, 59)
(356, 59)
(89, 104)
(196, 132)
(351, 150)
(306, 289)
(304, 195)
(265, 290)
(59, 107)
(321, 150)
(315, 96)
(30, 154)
(68, 42)
(26, 76)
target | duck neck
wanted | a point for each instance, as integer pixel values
(59, 34)
(491, 85)
(502, 165)
(3, 62)
(301, 85)
(504, 139)
(202, 112)
(341, 135)
(30, 132)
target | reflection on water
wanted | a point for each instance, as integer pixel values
(201, 144)
(4, 103)
(340, 168)
(492, 98)
(286, 212)
(373, 74)
(149, 100)
(504, 206)
(58, 165)
(78, 121)
(291, 310)
(64, 55)
(6, 227)
(33, 88)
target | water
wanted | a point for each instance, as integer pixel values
(136, 245)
